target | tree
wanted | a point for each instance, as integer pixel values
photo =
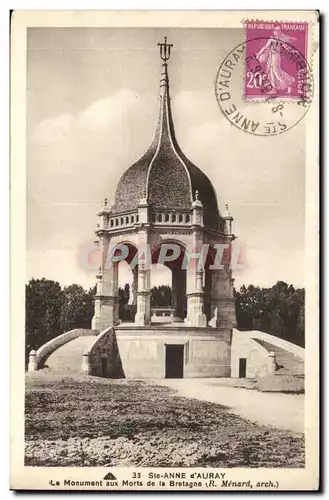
(44, 300)
(278, 310)
(77, 308)
(51, 311)
(161, 296)
(124, 310)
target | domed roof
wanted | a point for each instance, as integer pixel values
(163, 174)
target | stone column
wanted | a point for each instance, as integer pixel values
(178, 291)
(134, 286)
(195, 296)
(106, 298)
(207, 290)
(134, 289)
(194, 279)
(143, 314)
(222, 302)
(216, 293)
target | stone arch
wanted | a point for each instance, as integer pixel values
(178, 273)
(127, 301)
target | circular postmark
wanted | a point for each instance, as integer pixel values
(264, 86)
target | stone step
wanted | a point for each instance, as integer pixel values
(68, 357)
(287, 362)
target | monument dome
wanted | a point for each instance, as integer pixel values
(164, 175)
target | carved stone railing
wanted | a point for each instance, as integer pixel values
(162, 314)
(157, 217)
(124, 220)
(171, 217)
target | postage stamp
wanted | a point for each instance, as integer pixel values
(279, 53)
(264, 86)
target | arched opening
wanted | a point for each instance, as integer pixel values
(127, 283)
(168, 282)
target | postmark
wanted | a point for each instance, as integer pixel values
(269, 111)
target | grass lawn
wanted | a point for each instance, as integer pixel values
(89, 421)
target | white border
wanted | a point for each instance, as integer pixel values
(18, 264)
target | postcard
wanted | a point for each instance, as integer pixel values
(164, 250)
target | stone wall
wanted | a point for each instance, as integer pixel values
(103, 359)
(143, 352)
(259, 362)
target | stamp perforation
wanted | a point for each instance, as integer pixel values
(310, 52)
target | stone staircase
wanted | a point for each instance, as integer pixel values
(287, 362)
(68, 357)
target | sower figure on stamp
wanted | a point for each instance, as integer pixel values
(269, 54)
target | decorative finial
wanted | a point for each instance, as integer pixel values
(165, 50)
(97, 225)
(105, 202)
(226, 206)
(196, 203)
(143, 200)
(100, 270)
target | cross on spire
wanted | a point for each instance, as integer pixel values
(165, 50)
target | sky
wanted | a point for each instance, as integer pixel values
(92, 104)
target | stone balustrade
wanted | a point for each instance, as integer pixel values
(162, 314)
(171, 218)
(119, 221)
(163, 217)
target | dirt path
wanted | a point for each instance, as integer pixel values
(283, 411)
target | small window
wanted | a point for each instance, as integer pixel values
(187, 218)
(112, 223)
(166, 217)
(173, 217)
(160, 217)
(116, 222)
(127, 220)
(121, 220)
(137, 218)
(180, 218)
(132, 219)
